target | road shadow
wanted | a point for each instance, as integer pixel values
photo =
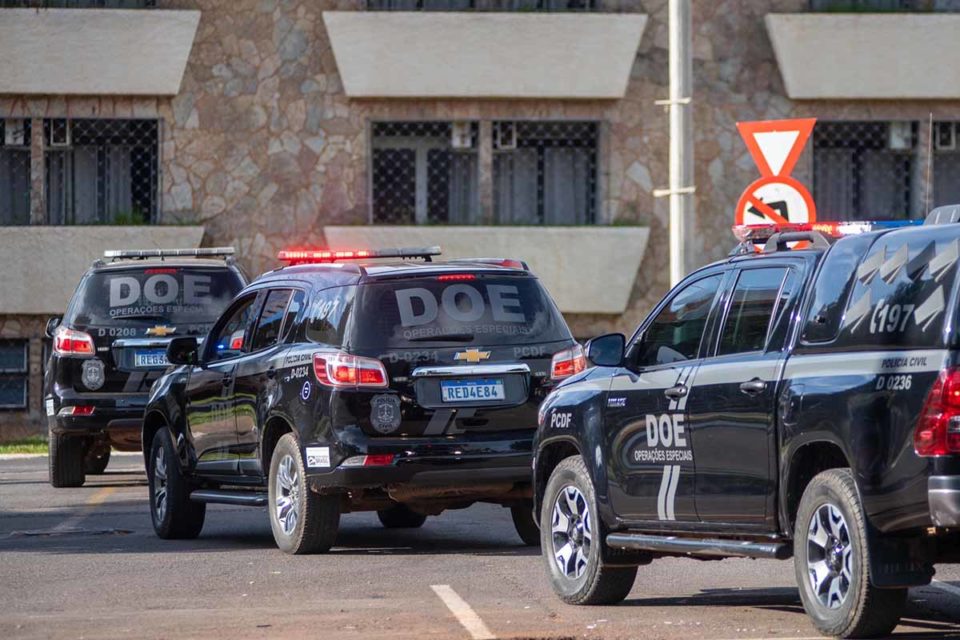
(922, 619)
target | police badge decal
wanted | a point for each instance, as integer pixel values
(385, 413)
(92, 374)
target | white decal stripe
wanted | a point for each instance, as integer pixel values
(672, 492)
(865, 364)
(662, 497)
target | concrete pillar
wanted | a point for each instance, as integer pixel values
(38, 195)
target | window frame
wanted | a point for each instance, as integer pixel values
(263, 306)
(258, 298)
(724, 313)
(22, 374)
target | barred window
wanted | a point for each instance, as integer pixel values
(14, 171)
(861, 6)
(865, 170)
(14, 376)
(946, 163)
(482, 5)
(545, 172)
(425, 172)
(101, 171)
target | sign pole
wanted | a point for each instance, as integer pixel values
(681, 139)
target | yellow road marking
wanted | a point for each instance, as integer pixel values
(100, 496)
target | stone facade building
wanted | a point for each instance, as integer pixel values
(490, 127)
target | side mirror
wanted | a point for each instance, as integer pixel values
(52, 324)
(607, 350)
(183, 350)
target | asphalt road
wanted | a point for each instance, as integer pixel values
(84, 563)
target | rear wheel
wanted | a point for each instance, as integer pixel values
(401, 517)
(571, 536)
(525, 523)
(302, 521)
(833, 565)
(174, 514)
(66, 461)
(97, 457)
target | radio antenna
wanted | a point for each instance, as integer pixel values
(926, 186)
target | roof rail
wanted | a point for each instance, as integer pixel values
(780, 241)
(143, 254)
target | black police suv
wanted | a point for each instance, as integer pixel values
(111, 343)
(341, 383)
(800, 403)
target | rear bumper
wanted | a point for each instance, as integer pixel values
(429, 462)
(944, 497)
(118, 415)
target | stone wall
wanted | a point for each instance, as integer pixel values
(16, 424)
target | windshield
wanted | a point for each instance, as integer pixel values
(486, 310)
(173, 295)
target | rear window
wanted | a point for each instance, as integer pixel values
(487, 310)
(175, 295)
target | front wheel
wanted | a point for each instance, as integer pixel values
(174, 514)
(571, 536)
(833, 565)
(302, 521)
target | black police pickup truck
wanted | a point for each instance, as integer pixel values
(800, 403)
(341, 384)
(110, 346)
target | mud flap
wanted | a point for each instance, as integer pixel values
(899, 562)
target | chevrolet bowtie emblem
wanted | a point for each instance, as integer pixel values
(160, 331)
(472, 355)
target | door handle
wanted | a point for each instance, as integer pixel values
(272, 373)
(753, 387)
(676, 392)
(226, 380)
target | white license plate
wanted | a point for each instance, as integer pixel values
(150, 359)
(471, 390)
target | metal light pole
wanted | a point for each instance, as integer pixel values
(681, 187)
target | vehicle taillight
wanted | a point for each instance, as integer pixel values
(338, 369)
(77, 410)
(568, 362)
(938, 429)
(67, 342)
(456, 277)
(375, 460)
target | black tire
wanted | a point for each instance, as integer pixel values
(596, 582)
(96, 457)
(401, 517)
(851, 606)
(526, 524)
(313, 528)
(175, 516)
(66, 461)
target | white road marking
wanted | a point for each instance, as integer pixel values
(463, 612)
(949, 588)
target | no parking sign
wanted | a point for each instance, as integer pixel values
(776, 198)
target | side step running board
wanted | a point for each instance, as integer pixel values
(242, 498)
(700, 546)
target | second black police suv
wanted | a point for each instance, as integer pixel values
(800, 403)
(341, 384)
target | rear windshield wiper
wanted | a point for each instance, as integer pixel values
(447, 337)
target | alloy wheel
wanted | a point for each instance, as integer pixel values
(829, 556)
(572, 532)
(160, 484)
(288, 495)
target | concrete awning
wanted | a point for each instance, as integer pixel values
(585, 269)
(384, 54)
(867, 56)
(41, 266)
(94, 51)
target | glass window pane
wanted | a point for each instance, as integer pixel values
(830, 292)
(271, 320)
(328, 315)
(13, 356)
(676, 332)
(751, 309)
(228, 340)
(13, 392)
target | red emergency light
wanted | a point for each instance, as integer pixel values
(327, 256)
(760, 233)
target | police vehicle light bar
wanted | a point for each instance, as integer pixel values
(315, 256)
(140, 254)
(760, 233)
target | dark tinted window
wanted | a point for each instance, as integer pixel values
(752, 307)
(487, 310)
(675, 333)
(833, 287)
(175, 295)
(902, 290)
(227, 340)
(293, 312)
(328, 315)
(271, 320)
